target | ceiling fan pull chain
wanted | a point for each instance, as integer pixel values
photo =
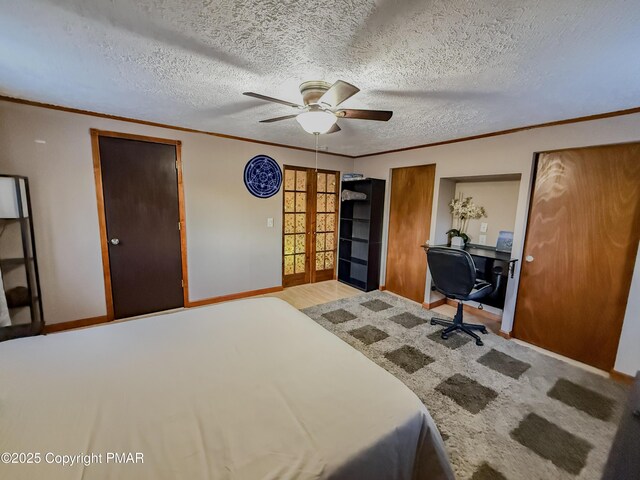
(316, 135)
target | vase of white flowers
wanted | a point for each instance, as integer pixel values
(462, 210)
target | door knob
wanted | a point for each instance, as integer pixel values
(115, 241)
(529, 258)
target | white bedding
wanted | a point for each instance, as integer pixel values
(251, 389)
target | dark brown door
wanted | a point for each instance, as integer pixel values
(580, 250)
(310, 209)
(140, 190)
(409, 227)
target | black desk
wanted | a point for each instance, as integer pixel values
(489, 253)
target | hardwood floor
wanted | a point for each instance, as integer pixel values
(310, 294)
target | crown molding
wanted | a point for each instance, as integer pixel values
(587, 118)
(162, 125)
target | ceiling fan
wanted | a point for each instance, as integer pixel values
(320, 110)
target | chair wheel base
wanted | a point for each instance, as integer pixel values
(455, 325)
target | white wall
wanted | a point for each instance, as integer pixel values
(506, 154)
(628, 359)
(444, 222)
(229, 247)
(500, 199)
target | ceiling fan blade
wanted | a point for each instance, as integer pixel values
(338, 93)
(379, 115)
(277, 119)
(334, 129)
(271, 99)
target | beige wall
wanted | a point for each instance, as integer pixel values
(229, 247)
(628, 359)
(500, 200)
(513, 154)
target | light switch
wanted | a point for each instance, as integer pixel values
(270, 222)
(483, 227)
(482, 239)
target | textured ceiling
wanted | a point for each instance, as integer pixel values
(447, 68)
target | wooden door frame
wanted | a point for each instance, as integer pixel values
(102, 222)
(310, 245)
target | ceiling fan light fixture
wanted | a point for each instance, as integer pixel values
(316, 122)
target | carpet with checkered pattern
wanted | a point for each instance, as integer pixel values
(504, 411)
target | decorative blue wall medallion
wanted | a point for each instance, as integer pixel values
(262, 176)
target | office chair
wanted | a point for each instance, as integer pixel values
(454, 275)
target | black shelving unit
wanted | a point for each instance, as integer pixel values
(18, 263)
(360, 245)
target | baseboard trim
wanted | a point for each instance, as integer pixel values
(83, 322)
(234, 296)
(621, 377)
(504, 334)
(87, 322)
(382, 288)
(475, 311)
(435, 304)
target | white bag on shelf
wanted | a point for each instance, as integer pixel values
(351, 195)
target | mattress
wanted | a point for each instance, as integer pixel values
(251, 389)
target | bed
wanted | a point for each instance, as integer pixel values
(251, 389)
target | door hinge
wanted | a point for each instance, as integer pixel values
(176, 164)
(179, 225)
(182, 283)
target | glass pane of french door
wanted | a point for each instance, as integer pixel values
(325, 225)
(295, 227)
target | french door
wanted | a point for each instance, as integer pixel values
(310, 209)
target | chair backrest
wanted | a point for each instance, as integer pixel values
(452, 269)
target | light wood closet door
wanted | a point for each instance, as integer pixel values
(580, 250)
(409, 227)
